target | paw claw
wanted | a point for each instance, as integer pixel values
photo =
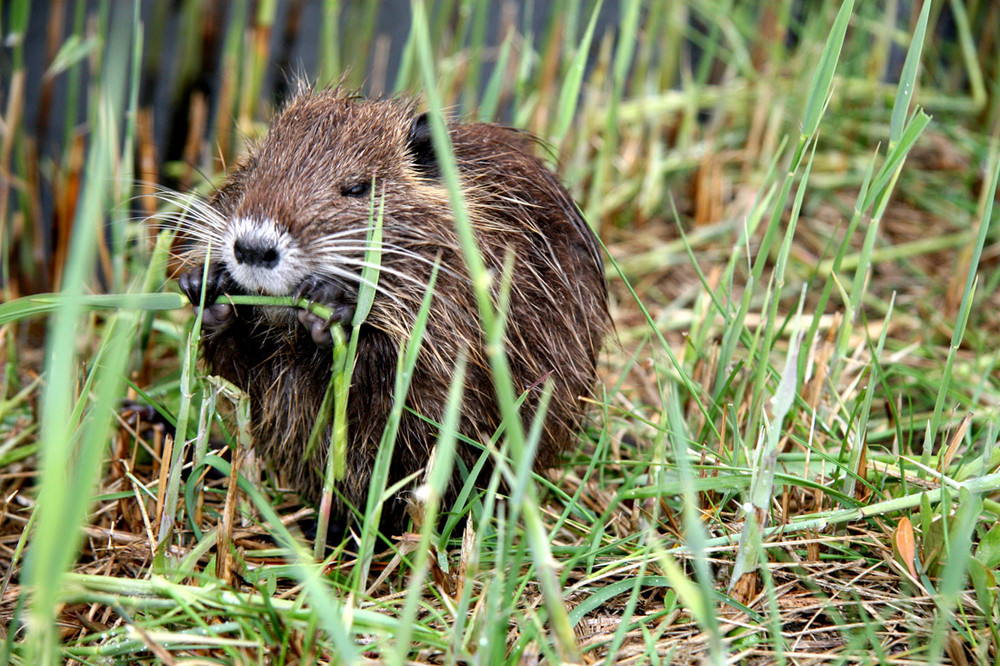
(332, 295)
(215, 315)
(319, 328)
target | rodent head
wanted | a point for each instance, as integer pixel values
(300, 206)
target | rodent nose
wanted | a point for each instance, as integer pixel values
(252, 254)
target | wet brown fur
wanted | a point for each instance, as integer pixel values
(322, 142)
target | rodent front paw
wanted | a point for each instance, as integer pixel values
(216, 315)
(335, 296)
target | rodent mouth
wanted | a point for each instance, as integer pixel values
(280, 315)
(263, 281)
(334, 295)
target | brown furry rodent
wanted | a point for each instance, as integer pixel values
(292, 220)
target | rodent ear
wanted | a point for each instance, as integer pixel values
(421, 147)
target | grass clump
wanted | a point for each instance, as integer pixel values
(794, 456)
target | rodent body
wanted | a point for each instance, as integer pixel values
(293, 219)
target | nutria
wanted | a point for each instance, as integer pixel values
(292, 220)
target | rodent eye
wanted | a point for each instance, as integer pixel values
(356, 190)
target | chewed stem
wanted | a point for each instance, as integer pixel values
(280, 301)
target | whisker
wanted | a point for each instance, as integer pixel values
(388, 271)
(345, 251)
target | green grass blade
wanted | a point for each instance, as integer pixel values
(965, 308)
(431, 493)
(62, 504)
(822, 83)
(570, 91)
(39, 305)
(908, 78)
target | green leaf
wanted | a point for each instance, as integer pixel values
(70, 53)
(983, 582)
(44, 304)
(574, 79)
(988, 550)
(822, 81)
(908, 78)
